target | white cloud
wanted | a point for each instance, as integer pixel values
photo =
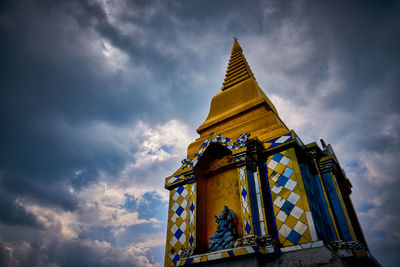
(152, 240)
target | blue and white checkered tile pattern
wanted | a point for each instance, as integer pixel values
(175, 179)
(278, 141)
(185, 163)
(192, 213)
(286, 195)
(177, 223)
(245, 202)
(213, 138)
(241, 141)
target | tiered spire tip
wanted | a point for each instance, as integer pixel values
(238, 69)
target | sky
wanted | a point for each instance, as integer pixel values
(99, 100)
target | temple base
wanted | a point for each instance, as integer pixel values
(320, 256)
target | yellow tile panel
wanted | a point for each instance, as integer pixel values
(306, 236)
(284, 193)
(278, 224)
(279, 168)
(281, 239)
(287, 243)
(291, 221)
(303, 218)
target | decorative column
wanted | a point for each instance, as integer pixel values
(328, 167)
(253, 214)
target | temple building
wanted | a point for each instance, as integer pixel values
(251, 193)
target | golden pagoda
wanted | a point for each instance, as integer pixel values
(274, 195)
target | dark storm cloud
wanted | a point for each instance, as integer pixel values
(363, 36)
(14, 214)
(46, 79)
(56, 250)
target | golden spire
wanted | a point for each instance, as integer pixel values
(238, 69)
(241, 107)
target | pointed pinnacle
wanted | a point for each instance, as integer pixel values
(236, 45)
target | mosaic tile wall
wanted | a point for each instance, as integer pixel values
(177, 221)
(278, 141)
(244, 192)
(213, 138)
(293, 217)
(192, 215)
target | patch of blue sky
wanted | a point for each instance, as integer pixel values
(167, 148)
(354, 164)
(100, 233)
(365, 207)
(151, 206)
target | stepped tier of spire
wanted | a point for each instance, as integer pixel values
(238, 69)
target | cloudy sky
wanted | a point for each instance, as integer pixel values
(99, 100)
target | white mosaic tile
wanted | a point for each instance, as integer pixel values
(311, 225)
(174, 217)
(282, 139)
(174, 228)
(183, 226)
(276, 188)
(184, 203)
(249, 249)
(279, 201)
(296, 212)
(293, 198)
(284, 160)
(300, 227)
(214, 256)
(285, 230)
(175, 196)
(175, 207)
(290, 184)
(173, 240)
(182, 239)
(281, 216)
(272, 164)
(184, 193)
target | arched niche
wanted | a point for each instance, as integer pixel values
(217, 186)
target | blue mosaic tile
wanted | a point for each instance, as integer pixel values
(247, 228)
(279, 140)
(294, 237)
(288, 172)
(180, 190)
(179, 211)
(244, 193)
(287, 207)
(191, 240)
(176, 258)
(277, 157)
(282, 180)
(230, 252)
(178, 233)
(192, 207)
(188, 261)
(255, 248)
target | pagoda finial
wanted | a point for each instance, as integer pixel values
(238, 69)
(236, 45)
